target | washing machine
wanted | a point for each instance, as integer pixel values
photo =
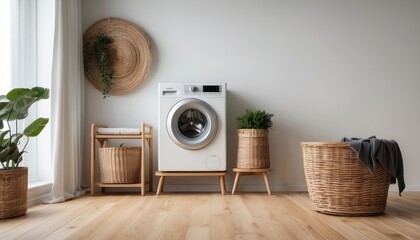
(192, 127)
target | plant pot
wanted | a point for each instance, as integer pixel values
(13, 192)
(120, 164)
(253, 148)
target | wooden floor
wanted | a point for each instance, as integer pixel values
(209, 216)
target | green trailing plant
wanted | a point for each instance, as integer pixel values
(14, 106)
(98, 50)
(257, 119)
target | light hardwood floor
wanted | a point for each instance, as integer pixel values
(209, 216)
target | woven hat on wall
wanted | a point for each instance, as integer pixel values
(130, 54)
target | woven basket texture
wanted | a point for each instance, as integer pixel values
(253, 148)
(339, 184)
(130, 54)
(13, 192)
(120, 164)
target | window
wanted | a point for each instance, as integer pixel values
(26, 45)
(5, 45)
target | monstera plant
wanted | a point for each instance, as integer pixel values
(14, 107)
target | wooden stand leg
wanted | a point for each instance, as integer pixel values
(142, 166)
(160, 185)
(267, 184)
(151, 163)
(142, 188)
(236, 183)
(222, 185)
(92, 160)
(249, 172)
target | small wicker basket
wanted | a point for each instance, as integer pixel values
(339, 184)
(120, 164)
(253, 148)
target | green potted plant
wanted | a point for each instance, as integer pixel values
(253, 146)
(14, 107)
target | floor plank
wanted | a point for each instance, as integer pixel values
(145, 223)
(209, 216)
(305, 217)
(220, 224)
(46, 218)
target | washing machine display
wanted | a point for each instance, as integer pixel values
(192, 127)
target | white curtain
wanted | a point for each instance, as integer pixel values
(67, 101)
(23, 43)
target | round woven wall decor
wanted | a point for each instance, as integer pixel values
(130, 54)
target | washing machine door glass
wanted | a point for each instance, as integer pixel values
(192, 123)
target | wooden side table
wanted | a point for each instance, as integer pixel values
(251, 171)
(145, 135)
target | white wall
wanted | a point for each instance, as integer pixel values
(325, 68)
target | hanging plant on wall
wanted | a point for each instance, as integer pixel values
(99, 51)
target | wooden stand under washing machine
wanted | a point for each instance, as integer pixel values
(162, 176)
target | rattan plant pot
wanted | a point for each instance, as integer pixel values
(119, 164)
(13, 192)
(339, 184)
(253, 148)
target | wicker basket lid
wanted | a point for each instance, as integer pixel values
(130, 54)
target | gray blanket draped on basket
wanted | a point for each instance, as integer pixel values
(387, 152)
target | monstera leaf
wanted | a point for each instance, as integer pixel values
(20, 100)
(35, 127)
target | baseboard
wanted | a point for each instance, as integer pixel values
(257, 188)
(38, 193)
(245, 188)
(408, 188)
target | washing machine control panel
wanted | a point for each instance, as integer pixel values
(193, 89)
(203, 89)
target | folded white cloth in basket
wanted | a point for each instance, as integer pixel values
(119, 131)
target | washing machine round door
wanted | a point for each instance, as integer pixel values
(192, 123)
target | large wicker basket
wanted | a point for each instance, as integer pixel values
(339, 184)
(253, 148)
(119, 164)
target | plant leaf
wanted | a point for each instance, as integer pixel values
(35, 127)
(19, 160)
(254, 120)
(4, 142)
(20, 107)
(14, 153)
(16, 93)
(10, 153)
(5, 110)
(41, 93)
(17, 137)
(3, 134)
(21, 99)
(3, 154)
